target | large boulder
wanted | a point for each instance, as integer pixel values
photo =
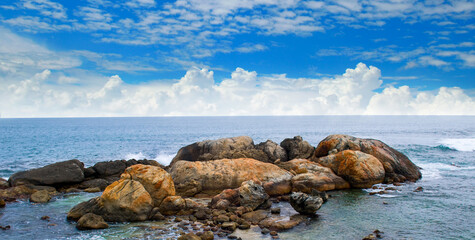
(67, 172)
(361, 170)
(235, 147)
(157, 182)
(397, 166)
(139, 190)
(311, 175)
(297, 148)
(211, 177)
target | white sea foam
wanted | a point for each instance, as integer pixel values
(164, 159)
(161, 158)
(136, 156)
(459, 144)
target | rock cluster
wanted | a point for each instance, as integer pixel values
(241, 177)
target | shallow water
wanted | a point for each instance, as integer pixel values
(442, 146)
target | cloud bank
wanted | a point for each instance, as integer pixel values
(357, 91)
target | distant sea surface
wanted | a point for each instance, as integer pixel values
(443, 146)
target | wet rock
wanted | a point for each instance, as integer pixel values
(42, 196)
(280, 223)
(231, 226)
(7, 227)
(397, 167)
(91, 221)
(214, 176)
(361, 170)
(306, 204)
(297, 148)
(419, 189)
(244, 225)
(201, 214)
(255, 217)
(189, 236)
(222, 219)
(92, 190)
(67, 172)
(45, 218)
(17, 192)
(252, 194)
(265, 231)
(93, 183)
(207, 235)
(2, 203)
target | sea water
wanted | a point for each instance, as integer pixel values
(443, 146)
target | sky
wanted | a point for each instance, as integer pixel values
(101, 58)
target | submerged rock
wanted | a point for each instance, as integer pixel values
(361, 170)
(397, 166)
(306, 204)
(91, 221)
(214, 176)
(42, 196)
(66, 172)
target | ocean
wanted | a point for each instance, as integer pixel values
(443, 146)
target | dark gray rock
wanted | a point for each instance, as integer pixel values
(98, 182)
(4, 184)
(67, 172)
(252, 194)
(110, 168)
(273, 151)
(297, 148)
(306, 204)
(89, 172)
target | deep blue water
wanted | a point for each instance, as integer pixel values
(442, 146)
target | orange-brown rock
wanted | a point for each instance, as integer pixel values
(176, 205)
(126, 200)
(311, 175)
(157, 182)
(140, 189)
(361, 170)
(397, 166)
(214, 176)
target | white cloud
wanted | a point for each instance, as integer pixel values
(244, 93)
(46, 8)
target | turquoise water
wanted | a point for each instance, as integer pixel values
(442, 146)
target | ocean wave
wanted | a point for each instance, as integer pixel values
(162, 158)
(459, 144)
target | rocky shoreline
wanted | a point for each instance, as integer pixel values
(240, 181)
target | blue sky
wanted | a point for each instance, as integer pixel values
(212, 57)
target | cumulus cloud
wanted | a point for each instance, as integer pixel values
(198, 93)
